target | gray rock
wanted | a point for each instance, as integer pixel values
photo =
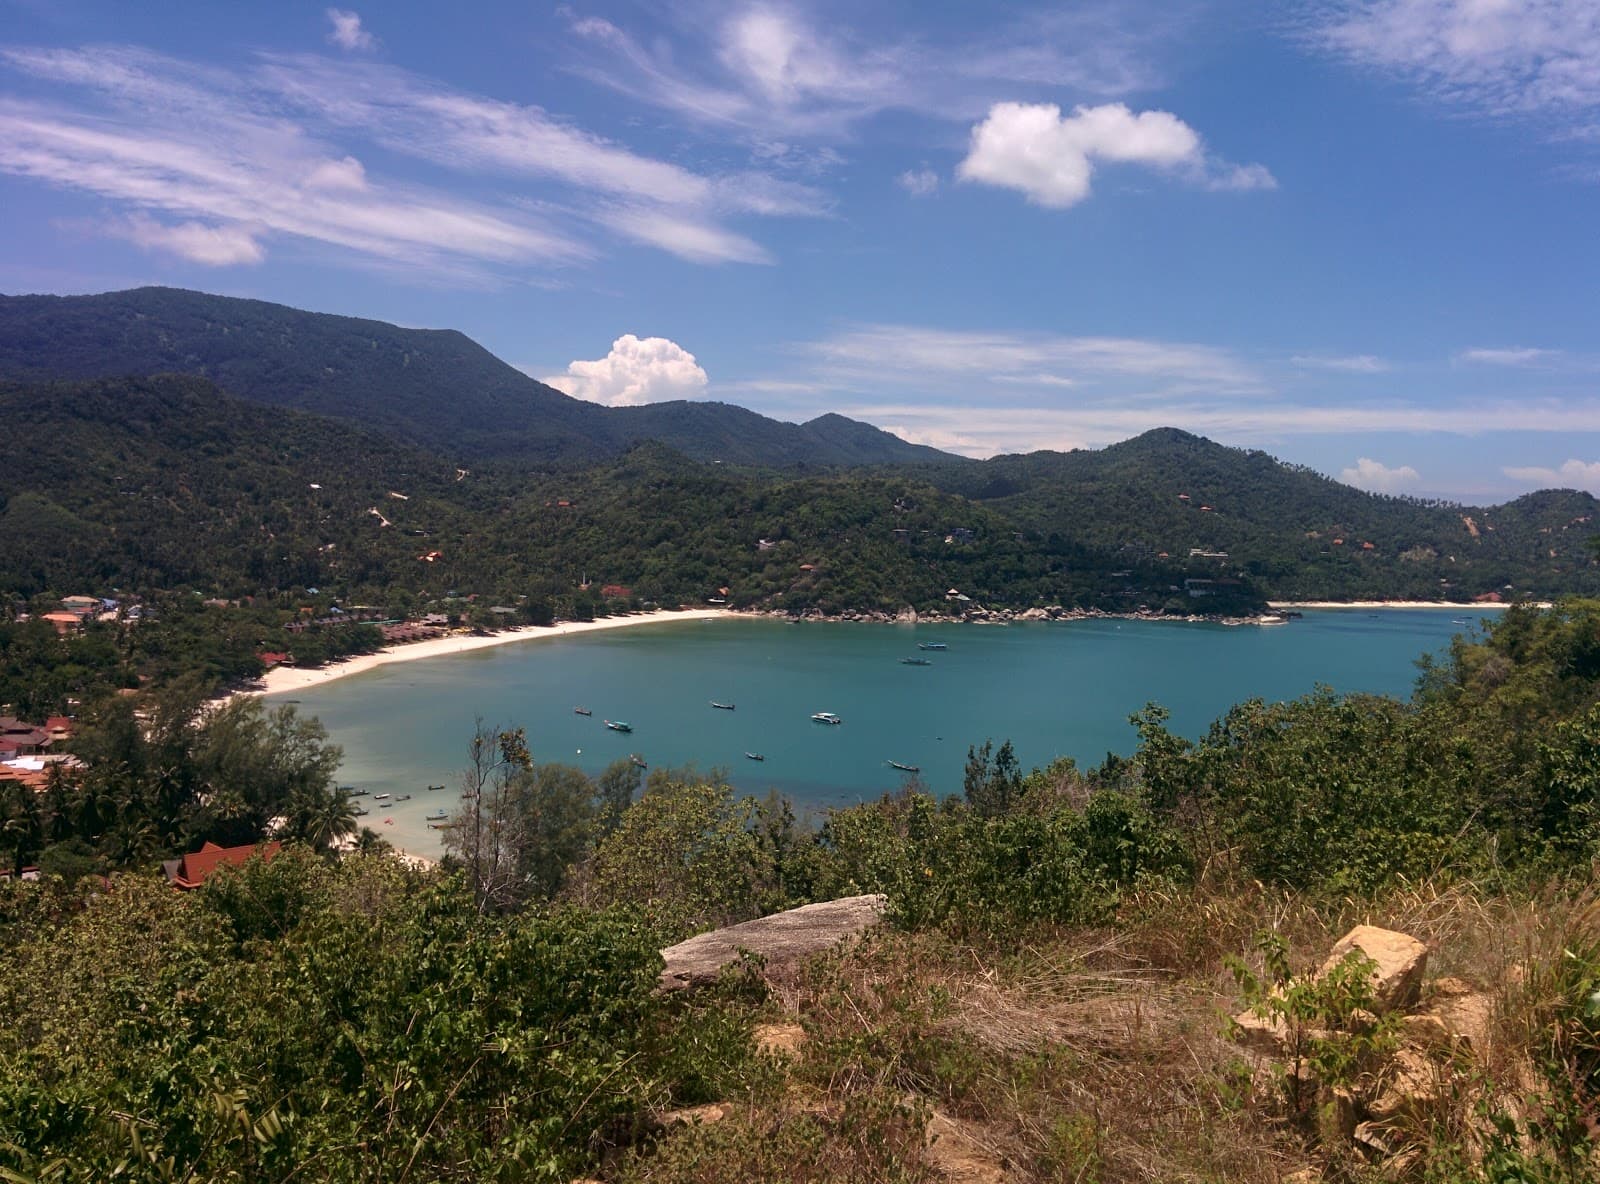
(780, 939)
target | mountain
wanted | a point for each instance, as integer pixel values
(435, 388)
(1300, 534)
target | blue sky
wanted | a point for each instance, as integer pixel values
(1360, 234)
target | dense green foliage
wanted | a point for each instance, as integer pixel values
(434, 388)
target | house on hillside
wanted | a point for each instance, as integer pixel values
(64, 622)
(192, 870)
(20, 738)
(81, 606)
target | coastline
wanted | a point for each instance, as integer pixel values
(1433, 604)
(284, 679)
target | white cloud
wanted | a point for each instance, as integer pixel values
(252, 149)
(1051, 157)
(768, 68)
(919, 182)
(1573, 474)
(214, 246)
(920, 356)
(347, 32)
(1377, 477)
(1506, 357)
(648, 370)
(1348, 364)
(1498, 57)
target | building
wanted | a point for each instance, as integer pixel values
(64, 622)
(192, 870)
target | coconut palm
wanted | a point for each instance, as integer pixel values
(320, 816)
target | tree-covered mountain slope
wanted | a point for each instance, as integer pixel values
(435, 388)
(1302, 535)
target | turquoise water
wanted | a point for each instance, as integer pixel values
(1053, 689)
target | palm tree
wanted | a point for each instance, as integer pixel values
(370, 842)
(320, 816)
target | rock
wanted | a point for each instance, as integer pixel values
(779, 1040)
(1338, 1115)
(696, 1115)
(780, 939)
(1374, 1139)
(1265, 1036)
(1400, 958)
(1468, 1019)
(957, 1156)
(1410, 1087)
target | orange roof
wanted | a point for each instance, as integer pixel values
(194, 869)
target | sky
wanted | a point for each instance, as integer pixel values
(1358, 234)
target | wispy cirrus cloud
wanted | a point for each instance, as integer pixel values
(214, 160)
(772, 69)
(1497, 58)
(1516, 356)
(1342, 363)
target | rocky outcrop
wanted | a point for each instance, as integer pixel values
(781, 939)
(1400, 960)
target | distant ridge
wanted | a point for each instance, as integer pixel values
(436, 388)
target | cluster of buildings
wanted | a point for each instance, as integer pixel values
(28, 750)
(76, 611)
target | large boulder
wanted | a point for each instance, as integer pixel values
(1400, 961)
(780, 939)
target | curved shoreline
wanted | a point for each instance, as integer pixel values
(281, 680)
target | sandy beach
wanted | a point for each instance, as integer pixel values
(1433, 604)
(284, 679)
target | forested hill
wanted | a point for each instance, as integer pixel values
(435, 388)
(1300, 534)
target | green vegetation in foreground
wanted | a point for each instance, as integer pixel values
(1053, 978)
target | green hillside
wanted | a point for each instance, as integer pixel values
(435, 388)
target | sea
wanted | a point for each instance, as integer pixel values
(1051, 688)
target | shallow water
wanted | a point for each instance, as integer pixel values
(1053, 689)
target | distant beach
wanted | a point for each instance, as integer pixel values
(1434, 604)
(284, 679)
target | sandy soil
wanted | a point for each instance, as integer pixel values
(1377, 604)
(284, 679)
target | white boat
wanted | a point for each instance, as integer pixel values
(826, 717)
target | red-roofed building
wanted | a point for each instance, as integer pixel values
(271, 658)
(615, 591)
(194, 869)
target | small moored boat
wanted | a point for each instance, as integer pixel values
(904, 768)
(353, 792)
(755, 756)
(915, 662)
(932, 645)
(826, 717)
(617, 725)
(381, 797)
(431, 788)
(441, 825)
(722, 706)
(438, 815)
(637, 761)
(402, 797)
(581, 711)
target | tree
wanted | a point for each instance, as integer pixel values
(319, 816)
(486, 833)
(993, 780)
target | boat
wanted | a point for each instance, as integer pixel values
(381, 797)
(360, 813)
(903, 768)
(932, 645)
(431, 788)
(915, 662)
(637, 760)
(353, 792)
(617, 725)
(438, 816)
(581, 711)
(1461, 620)
(402, 797)
(755, 756)
(441, 825)
(826, 717)
(722, 706)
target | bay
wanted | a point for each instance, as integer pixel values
(1053, 689)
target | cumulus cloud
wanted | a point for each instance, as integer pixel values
(1573, 474)
(214, 246)
(1051, 157)
(347, 32)
(919, 182)
(1505, 357)
(636, 371)
(1348, 364)
(1377, 477)
(347, 173)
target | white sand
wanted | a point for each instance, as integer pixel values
(284, 679)
(1382, 604)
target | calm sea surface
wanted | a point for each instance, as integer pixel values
(1057, 689)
